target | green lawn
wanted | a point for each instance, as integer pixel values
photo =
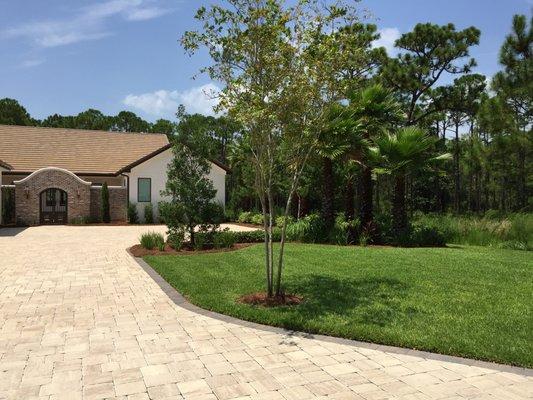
(468, 301)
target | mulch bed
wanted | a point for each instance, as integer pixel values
(261, 299)
(139, 251)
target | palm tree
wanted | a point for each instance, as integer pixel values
(376, 111)
(400, 153)
(353, 126)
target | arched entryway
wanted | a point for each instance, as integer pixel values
(53, 206)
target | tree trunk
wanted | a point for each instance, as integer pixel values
(457, 178)
(327, 192)
(399, 214)
(350, 207)
(367, 205)
(522, 196)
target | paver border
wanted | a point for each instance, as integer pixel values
(178, 299)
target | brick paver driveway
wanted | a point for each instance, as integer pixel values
(79, 318)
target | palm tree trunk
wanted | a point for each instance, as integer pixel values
(327, 192)
(367, 205)
(350, 206)
(399, 214)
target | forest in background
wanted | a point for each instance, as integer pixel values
(485, 125)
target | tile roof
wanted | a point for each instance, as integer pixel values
(5, 165)
(27, 149)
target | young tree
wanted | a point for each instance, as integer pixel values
(106, 216)
(191, 193)
(277, 73)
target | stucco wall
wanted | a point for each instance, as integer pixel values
(156, 169)
(28, 190)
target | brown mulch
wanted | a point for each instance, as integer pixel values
(139, 251)
(261, 299)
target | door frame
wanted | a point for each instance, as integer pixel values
(41, 219)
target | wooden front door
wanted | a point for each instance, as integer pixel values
(53, 206)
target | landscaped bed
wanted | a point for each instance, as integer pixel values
(467, 301)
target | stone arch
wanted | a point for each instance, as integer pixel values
(29, 189)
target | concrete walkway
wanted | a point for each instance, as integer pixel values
(80, 319)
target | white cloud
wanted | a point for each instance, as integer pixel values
(88, 23)
(32, 63)
(164, 103)
(387, 39)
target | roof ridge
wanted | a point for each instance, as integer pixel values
(82, 130)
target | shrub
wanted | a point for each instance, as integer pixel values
(80, 221)
(309, 229)
(151, 240)
(514, 230)
(149, 213)
(176, 238)
(133, 218)
(257, 236)
(106, 216)
(224, 239)
(257, 219)
(425, 236)
(203, 240)
(245, 217)
(281, 219)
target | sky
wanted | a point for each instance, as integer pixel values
(64, 57)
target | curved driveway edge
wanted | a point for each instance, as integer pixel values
(181, 301)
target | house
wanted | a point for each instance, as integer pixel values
(55, 175)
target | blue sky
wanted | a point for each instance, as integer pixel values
(67, 56)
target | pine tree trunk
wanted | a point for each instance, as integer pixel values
(522, 196)
(399, 214)
(457, 178)
(327, 192)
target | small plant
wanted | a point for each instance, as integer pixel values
(152, 240)
(281, 219)
(224, 239)
(133, 217)
(257, 219)
(176, 238)
(80, 221)
(149, 213)
(106, 216)
(245, 217)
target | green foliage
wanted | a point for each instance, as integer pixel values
(12, 113)
(152, 240)
(106, 216)
(149, 213)
(511, 231)
(80, 221)
(192, 194)
(309, 229)
(176, 238)
(257, 219)
(257, 236)
(8, 205)
(127, 121)
(133, 217)
(224, 239)
(279, 220)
